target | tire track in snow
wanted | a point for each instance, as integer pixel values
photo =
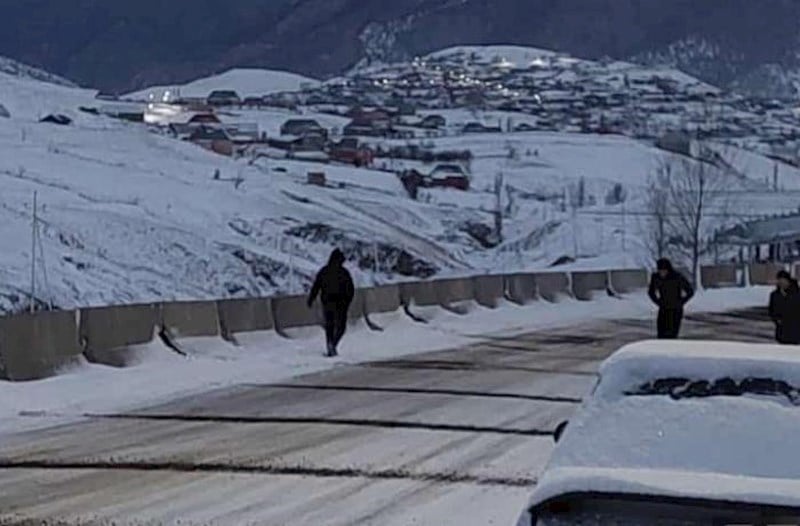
(267, 469)
(454, 365)
(432, 392)
(354, 422)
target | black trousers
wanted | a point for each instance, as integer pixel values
(788, 334)
(669, 323)
(335, 314)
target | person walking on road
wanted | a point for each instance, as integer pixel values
(334, 286)
(670, 291)
(784, 309)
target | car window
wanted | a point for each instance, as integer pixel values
(679, 388)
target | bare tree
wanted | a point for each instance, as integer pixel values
(696, 205)
(686, 202)
(656, 226)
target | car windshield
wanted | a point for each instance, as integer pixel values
(680, 388)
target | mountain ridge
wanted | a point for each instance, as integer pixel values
(118, 46)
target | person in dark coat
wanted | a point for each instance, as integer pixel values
(784, 309)
(334, 286)
(670, 291)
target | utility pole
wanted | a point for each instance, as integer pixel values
(291, 266)
(33, 254)
(775, 177)
(498, 212)
(624, 228)
(377, 268)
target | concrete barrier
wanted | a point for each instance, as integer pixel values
(190, 319)
(292, 312)
(34, 346)
(719, 276)
(520, 288)
(586, 285)
(420, 293)
(626, 281)
(489, 290)
(358, 307)
(552, 286)
(107, 333)
(764, 273)
(379, 300)
(244, 315)
(453, 291)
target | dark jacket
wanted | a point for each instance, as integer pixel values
(670, 293)
(784, 309)
(333, 284)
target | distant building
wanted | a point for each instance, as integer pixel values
(677, 142)
(317, 178)
(433, 122)
(204, 118)
(775, 239)
(293, 143)
(448, 176)
(477, 127)
(57, 118)
(349, 151)
(253, 102)
(303, 127)
(213, 139)
(224, 98)
(524, 127)
(376, 119)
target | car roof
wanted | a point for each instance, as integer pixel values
(724, 448)
(646, 361)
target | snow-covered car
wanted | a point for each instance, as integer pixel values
(680, 433)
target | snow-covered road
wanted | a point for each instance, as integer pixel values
(444, 438)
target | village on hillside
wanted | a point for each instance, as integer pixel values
(497, 158)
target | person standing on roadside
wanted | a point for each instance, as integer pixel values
(334, 285)
(670, 291)
(784, 309)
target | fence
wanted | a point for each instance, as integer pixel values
(34, 346)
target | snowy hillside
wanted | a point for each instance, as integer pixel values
(130, 214)
(246, 82)
(18, 69)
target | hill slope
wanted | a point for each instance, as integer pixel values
(246, 82)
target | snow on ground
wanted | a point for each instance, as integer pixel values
(129, 215)
(614, 444)
(28, 99)
(246, 82)
(266, 357)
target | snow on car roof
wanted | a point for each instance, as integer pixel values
(646, 361)
(726, 448)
